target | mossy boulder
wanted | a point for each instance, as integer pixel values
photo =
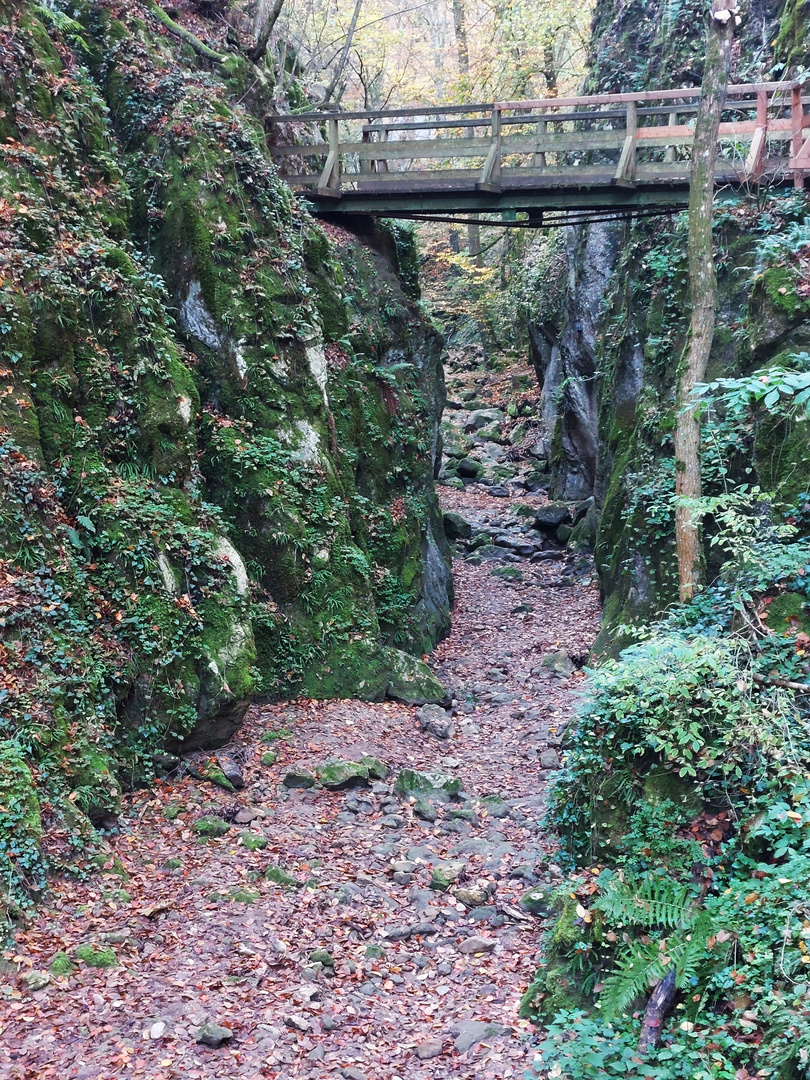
(432, 785)
(210, 827)
(281, 877)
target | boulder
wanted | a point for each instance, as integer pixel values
(537, 901)
(547, 518)
(435, 785)
(412, 682)
(214, 1035)
(558, 663)
(483, 418)
(456, 527)
(299, 778)
(469, 469)
(446, 874)
(337, 774)
(435, 721)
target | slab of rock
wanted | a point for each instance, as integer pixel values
(470, 1032)
(456, 527)
(472, 946)
(433, 720)
(433, 784)
(214, 1035)
(299, 778)
(428, 1049)
(411, 681)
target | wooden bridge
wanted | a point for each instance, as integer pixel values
(548, 161)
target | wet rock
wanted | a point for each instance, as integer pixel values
(428, 1049)
(322, 956)
(214, 1035)
(470, 1032)
(435, 721)
(392, 821)
(456, 527)
(299, 778)
(549, 759)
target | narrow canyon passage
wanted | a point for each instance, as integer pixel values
(382, 931)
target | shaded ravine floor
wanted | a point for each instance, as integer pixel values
(208, 941)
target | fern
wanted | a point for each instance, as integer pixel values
(659, 902)
(659, 905)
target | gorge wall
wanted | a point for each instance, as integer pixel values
(609, 364)
(219, 423)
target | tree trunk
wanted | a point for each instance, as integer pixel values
(266, 18)
(702, 294)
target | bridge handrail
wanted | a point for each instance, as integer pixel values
(758, 114)
(539, 103)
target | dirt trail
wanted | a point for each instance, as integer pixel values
(401, 986)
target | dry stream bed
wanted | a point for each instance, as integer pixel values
(379, 932)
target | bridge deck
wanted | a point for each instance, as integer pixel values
(599, 153)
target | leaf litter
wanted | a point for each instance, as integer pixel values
(326, 953)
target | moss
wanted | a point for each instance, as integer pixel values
(61, 964)
(99, 957)
(253, 841)
(788, 613)
(782, 457)
(780, 286)
(210, 827)
(792, 45)
(280, 876)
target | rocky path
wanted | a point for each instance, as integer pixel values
(377, 931)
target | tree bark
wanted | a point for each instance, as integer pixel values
(266, 19)
(658, 1006)
(344, 55)
(702, 293)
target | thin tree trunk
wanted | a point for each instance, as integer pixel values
(266, 19)
(463, 55)
(460, 28)
(702, 294)
(344, 55)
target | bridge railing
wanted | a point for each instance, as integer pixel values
(622, 139)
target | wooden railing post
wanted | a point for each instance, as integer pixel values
(753, 163)
(626, 169)
(799, 149)
(329, 183)
(672, 121)
(491, 173)
(540, 156)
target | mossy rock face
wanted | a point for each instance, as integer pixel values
(663, 786)
(20, 822)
